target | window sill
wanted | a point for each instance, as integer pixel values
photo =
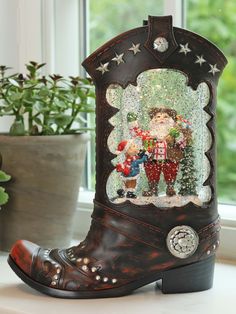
(18, 298)
(227, 214)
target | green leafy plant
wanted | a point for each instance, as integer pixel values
(43, 105)
(3, 195)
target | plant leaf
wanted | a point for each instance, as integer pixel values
(3, 196)
(62, 119)
(4, 177)
(13, 82)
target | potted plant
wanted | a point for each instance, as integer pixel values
(44, 152)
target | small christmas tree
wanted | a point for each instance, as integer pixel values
(188, 179)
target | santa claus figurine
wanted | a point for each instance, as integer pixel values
(165, 141)
(130, 168)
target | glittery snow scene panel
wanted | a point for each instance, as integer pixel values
(160, 138)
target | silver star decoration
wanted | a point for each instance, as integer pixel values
(200, 60)
(135, 48)
(103, 67)
(184, 49)
(119, 58)
(213, 69)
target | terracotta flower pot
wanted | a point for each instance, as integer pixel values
(46, 174)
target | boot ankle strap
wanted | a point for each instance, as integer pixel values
(141, 231)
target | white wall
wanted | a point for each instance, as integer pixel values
(42, 31)
(20, 32)
(8, 33)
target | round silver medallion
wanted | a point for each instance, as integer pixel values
(182, 241)
(160, 44)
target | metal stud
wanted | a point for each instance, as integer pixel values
(84, 267)
(79, 259)
(58, 270)
(105, 279)
(214, 247)
(208, 252)
(86, 260)
(182, 241)
(98, 277)
(55, 277)
(93, 269)
(114, 280)
(160, 44)
(53, 283)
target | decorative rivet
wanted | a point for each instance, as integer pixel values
(53, 283)
(84, 267)
(86, 260)
(55, 277)
(97, 277)
(93, 269)
(214, 247)
(114, 280)
(208, 252)
(182, 241)
(58, 270)
(105, 279)
(160, 44)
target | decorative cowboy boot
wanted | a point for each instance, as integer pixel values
(132, 243)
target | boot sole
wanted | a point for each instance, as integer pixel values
(190, 278)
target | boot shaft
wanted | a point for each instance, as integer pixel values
(136, 58)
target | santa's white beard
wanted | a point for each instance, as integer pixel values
(160, 131)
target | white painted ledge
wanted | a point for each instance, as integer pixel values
(18, 298)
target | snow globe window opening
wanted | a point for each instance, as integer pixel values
(160, 138)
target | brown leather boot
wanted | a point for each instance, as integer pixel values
(132, 244)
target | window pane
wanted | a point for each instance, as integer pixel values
(216, 20)
(110, 18)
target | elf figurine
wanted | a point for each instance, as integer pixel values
(130, 168)
(165, 141)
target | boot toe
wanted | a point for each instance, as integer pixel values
(23, 253)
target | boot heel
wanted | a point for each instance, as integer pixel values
(190, 278)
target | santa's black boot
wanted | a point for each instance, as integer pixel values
(133, 243)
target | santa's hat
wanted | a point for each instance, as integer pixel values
(123, 146)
